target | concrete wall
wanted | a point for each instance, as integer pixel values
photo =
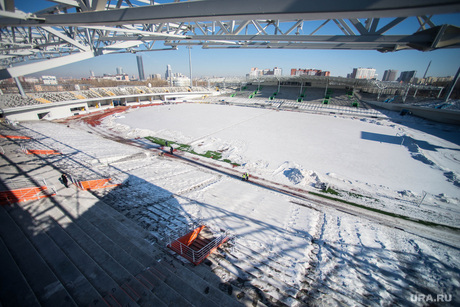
(46, 111)
(437, 115)
(64, 109)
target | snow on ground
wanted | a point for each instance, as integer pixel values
(293, 251)
(392, 164)
(361, 151)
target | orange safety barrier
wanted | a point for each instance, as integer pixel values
(196, 248)
(96, 184)
(42, 152)
(21, 195)
(14, 137)
(191, 236)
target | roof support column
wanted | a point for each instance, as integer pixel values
(19, 85)
(452, 86)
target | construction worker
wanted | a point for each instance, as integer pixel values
(64, 180)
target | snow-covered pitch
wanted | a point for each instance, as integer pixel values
(295, 251)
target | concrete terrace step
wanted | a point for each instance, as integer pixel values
(102, 214)
(199, 277)
(197, 282)
(113, 294)
(47, 288)
(93, 246)
(184, 287)
(14, 289)
(195, 275)
(130, 285)
(156, 283)
(69, 275)
(100, 280)
(121, 266)
(169, 292)
(190, 273)
(109, 250)
(279, 288)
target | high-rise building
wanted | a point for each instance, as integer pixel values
(407, 76)
(363, 73)
(140, 67)
(389, 75)
(168, 74)
(119, 70)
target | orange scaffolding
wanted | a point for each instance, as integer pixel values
(26, 194)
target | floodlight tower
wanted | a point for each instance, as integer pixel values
(190, 64)
(426, 71)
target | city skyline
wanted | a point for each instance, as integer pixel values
(238, 62)
(444, 63)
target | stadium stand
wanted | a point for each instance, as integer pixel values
(16, 100)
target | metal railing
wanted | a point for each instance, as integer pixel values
(197, 256)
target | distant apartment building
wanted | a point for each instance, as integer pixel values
(181, 80)
(119, 70)
(155, 76)
(49, 80)
(122, 77)
(407, 76)
(277, 71)
(31, 80)
(389, 75)
(107, 77)
(309, 72)
(363, 73)
(255, 72)
(434, 80)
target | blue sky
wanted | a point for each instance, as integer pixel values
(236, 62)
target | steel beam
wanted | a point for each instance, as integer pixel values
(218, 10)
(22, 70)
(98, 29)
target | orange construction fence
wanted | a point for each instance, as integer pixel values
(95, 184)
(26, 194)
(42, 152)
(14, 137)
